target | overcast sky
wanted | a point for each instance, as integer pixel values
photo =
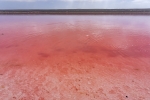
(73, 4)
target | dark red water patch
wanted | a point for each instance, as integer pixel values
(74, 57)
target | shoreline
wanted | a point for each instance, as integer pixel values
(79, 11)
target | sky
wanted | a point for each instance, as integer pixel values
(73, 4)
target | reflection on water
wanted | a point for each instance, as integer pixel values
(79, 57)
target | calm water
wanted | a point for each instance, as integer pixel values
(55, 57)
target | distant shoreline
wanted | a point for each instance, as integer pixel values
(79, 11)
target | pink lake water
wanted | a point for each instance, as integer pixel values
(69, 57)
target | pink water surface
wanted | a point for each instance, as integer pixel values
(63, 57)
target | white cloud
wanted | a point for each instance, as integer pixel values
(57, 0)
(87, 0)
(24, 0)
(141, 1)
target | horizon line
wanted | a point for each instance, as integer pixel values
(145, 11)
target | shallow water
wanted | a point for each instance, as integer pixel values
(52, 57)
